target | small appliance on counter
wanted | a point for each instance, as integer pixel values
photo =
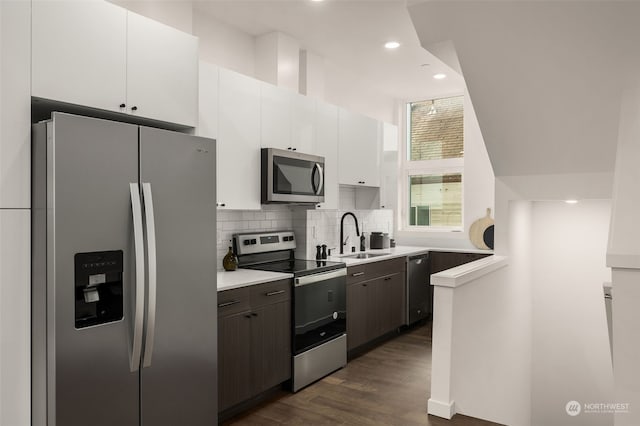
(319, 323)
(379, 240)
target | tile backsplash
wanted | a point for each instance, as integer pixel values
(230, 222)
(312, 227)
(317, 227)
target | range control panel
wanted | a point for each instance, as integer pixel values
(263, 242)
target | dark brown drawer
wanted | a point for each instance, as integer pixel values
(385, 267)
(355, 274)
(233, 301)
(273, 292)
(372, 270)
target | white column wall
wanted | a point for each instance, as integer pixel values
(571, 359)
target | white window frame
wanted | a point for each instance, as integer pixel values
(424, 167)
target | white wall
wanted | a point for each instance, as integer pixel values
(224, 45)
(571, 359)
(176, 14)
(478, 186)
(491, 356)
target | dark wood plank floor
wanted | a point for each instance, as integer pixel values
(388, 385)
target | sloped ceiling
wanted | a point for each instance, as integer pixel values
(545, 77)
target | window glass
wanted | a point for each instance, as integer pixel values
(435, 199)
(436, 129)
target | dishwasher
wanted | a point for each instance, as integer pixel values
(419, 290)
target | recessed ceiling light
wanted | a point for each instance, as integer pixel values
(439, 76)
(392, 45)
(571, 201)
(317, 1)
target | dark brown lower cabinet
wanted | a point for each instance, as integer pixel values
(375, 300)
(254, 341)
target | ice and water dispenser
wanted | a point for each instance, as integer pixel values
(98, 288)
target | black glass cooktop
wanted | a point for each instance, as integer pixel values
(298, 267)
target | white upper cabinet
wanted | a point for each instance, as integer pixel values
(275, 105)
(303, 123)
(162, 71)
(287, 119)
(208, 100)
(15, 106)
(326, 145)
(238, 143)
(96, 54)
(359, 149)
(79, 53)
(389, 167)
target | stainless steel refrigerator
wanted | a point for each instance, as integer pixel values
(124, 276)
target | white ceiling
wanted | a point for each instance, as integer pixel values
(350, 34)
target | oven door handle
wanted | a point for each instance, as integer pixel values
(310, 279)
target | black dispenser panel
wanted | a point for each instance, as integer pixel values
(98, 287)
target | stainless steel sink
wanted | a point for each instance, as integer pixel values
(364, 255)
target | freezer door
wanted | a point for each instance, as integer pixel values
(82, 338)
(178, 378)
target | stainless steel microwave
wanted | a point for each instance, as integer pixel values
(291, 177)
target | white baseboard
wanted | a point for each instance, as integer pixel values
(446, 410)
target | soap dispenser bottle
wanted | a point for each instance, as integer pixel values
(362, 242)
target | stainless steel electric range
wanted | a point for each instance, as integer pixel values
(319, 323)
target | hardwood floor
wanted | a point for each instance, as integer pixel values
(388, 385)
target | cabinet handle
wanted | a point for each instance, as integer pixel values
(225, 304)
(357, 274)
(294, 149)
(364, 285)
(220, 204)
(248, 316)
(289, 148)
(134, 108)
(253, 314)
(273, 293)
(387, 278)
(122, 105)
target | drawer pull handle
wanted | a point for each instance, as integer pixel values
(357, 274)
(387, 278)
(225, 304)
(274, 293)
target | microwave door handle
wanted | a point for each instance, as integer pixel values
(318, 167)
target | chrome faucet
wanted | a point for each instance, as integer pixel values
(342, 241)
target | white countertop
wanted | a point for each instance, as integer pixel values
(245, 277)
(398, 251)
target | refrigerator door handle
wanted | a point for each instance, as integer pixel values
(136, 209)
(151, 262)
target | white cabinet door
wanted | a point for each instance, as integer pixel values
(275, 127)
(238, 142)
(326, 145)
(15, 316)
(15, 105)
(79, 52)
(389, 167)
(162, 71)
(359, 150)
(303, 112)
(208, 101)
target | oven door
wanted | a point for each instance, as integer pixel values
(320, 309)
(291, 177)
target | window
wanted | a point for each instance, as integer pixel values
(434, 165)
